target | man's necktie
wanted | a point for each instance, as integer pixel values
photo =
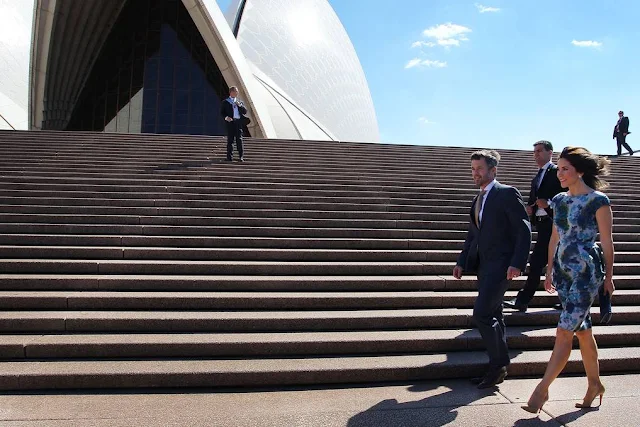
(538, 176)
(537, 181)
(478, 207)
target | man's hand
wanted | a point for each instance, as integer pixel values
(513, 272)
(626, 133)
(228, 119)
(457, 272)
(542, 203)
(529, 209)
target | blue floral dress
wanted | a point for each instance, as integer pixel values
(578, 266)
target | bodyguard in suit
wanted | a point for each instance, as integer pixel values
(233, 111)
(544, 186)
(496, 248)
(620, 132)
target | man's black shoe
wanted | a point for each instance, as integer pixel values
(515, 305)
(241, 159)
(477, 380)
(557, 306)
(229, 159)
(494, 378)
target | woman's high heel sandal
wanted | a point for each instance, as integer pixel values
(534, 409)
(586, 402)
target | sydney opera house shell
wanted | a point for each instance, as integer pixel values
(163, 66)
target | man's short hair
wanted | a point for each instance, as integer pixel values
(547, 145)
(491, 157)
(621, 112)
(233, 88)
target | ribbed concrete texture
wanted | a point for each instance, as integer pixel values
(148, 261)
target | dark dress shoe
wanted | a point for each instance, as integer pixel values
(493, 378)
(242, 159)
(229, 159)
(477, 380)
(557, 306)
(514, 304)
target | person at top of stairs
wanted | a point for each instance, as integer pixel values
(233, 112)
(620, 132)
(496, 247)
(544, 186)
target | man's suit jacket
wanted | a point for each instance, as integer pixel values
(549, 187)
(503, 238)
(622, 126)
(226, 109)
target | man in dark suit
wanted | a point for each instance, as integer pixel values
(620, 132)
(233, 111)
(544, 186)
(496, 247)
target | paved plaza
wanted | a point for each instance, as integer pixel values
(434, 403)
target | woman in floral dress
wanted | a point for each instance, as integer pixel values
(577, 267)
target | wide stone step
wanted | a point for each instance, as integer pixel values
(227, 254)
(191, 267)
(243, 283)
(78, 179)
(244, 222)
(282, 232)
(286, 344)
(265, 321)
(258, 157)
(100, 300)
(247, 242)
(425, 192)
(244, 254)
(442, 213)
(189, 163)
(238, 242)
(42, 375)
(437, 213)
(232, 203)
(174, 267)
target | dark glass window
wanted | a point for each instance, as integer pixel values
(154, 74)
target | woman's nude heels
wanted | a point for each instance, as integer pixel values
(586, 402)
(534, 409)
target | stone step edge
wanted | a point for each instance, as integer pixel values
(32, 375)
(175, 345)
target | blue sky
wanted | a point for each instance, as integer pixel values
(502, 73)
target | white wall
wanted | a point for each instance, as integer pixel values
(16, 20)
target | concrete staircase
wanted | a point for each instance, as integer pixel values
(148, 261)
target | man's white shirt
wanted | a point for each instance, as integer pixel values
(487, 189)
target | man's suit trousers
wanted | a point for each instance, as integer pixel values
(537, 261)
(487, 314)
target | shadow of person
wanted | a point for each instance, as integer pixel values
(438, 409)
(444, 397)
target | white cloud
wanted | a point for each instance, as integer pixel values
(446, 31)
(414, 62)
(420, 44)
(425, 121)
(586, 43)
(484, 9)
(449, 42)
(427, 63)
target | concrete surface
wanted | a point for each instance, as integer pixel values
(433, 403)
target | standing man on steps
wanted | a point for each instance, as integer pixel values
(620, 132)
(544, 186)
(233, 111)
(496, 247)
